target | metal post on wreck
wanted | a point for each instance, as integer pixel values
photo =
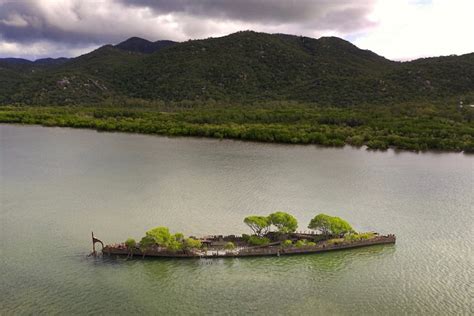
(94, 241)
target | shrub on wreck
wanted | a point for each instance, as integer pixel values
(303, 242)
(300, 243)
(191, 243)
(358, 236)
(258, 241)
(229, 246)
(130, 243)
(162, 237)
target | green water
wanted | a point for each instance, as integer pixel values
(56, 185)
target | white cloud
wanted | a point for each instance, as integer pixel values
(34, 26)
(105, 20)
(15, 20)
(408, 29)
(41, 49)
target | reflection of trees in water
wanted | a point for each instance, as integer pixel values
(326, 261)
(159, 270)
(324, 275)
(317, 267)
(212, 284)
(156, 269)
(334, 261)
(320, 264)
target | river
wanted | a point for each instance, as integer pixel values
(59, 184)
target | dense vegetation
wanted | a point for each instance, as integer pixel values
(243, 67)
(410, 126)
(250, 86)
(140, 45)
(161, 237)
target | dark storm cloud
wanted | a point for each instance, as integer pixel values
(321, 14)
(27, 21)
(37, 26)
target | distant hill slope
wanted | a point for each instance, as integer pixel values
(20, 62)
(140, 45)
(241, 67)
(251, 66)
(84, 79)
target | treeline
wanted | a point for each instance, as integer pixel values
(408, 126)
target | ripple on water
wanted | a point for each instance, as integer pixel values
(59, 184)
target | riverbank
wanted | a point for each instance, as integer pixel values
(404, 127)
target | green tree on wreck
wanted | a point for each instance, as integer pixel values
(258, 224)
(161, 235)
(330, 225)
(284, 222)
(130, 243)
(146, 243)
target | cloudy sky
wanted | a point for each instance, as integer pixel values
(396, 29)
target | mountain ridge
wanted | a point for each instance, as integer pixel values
(240, 67)
(140, 45)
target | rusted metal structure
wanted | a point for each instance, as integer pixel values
(272, 249)
(96, 241)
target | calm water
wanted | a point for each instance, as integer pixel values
(59, 184)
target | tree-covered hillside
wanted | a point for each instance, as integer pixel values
(140, 45)
(243, 67)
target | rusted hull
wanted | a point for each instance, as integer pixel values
(254, 252)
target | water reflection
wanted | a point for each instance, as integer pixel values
(59, 184)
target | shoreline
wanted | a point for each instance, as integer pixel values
(395, 150)
(325, 127)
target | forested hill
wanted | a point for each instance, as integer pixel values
(241, 67)
(140, 45)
